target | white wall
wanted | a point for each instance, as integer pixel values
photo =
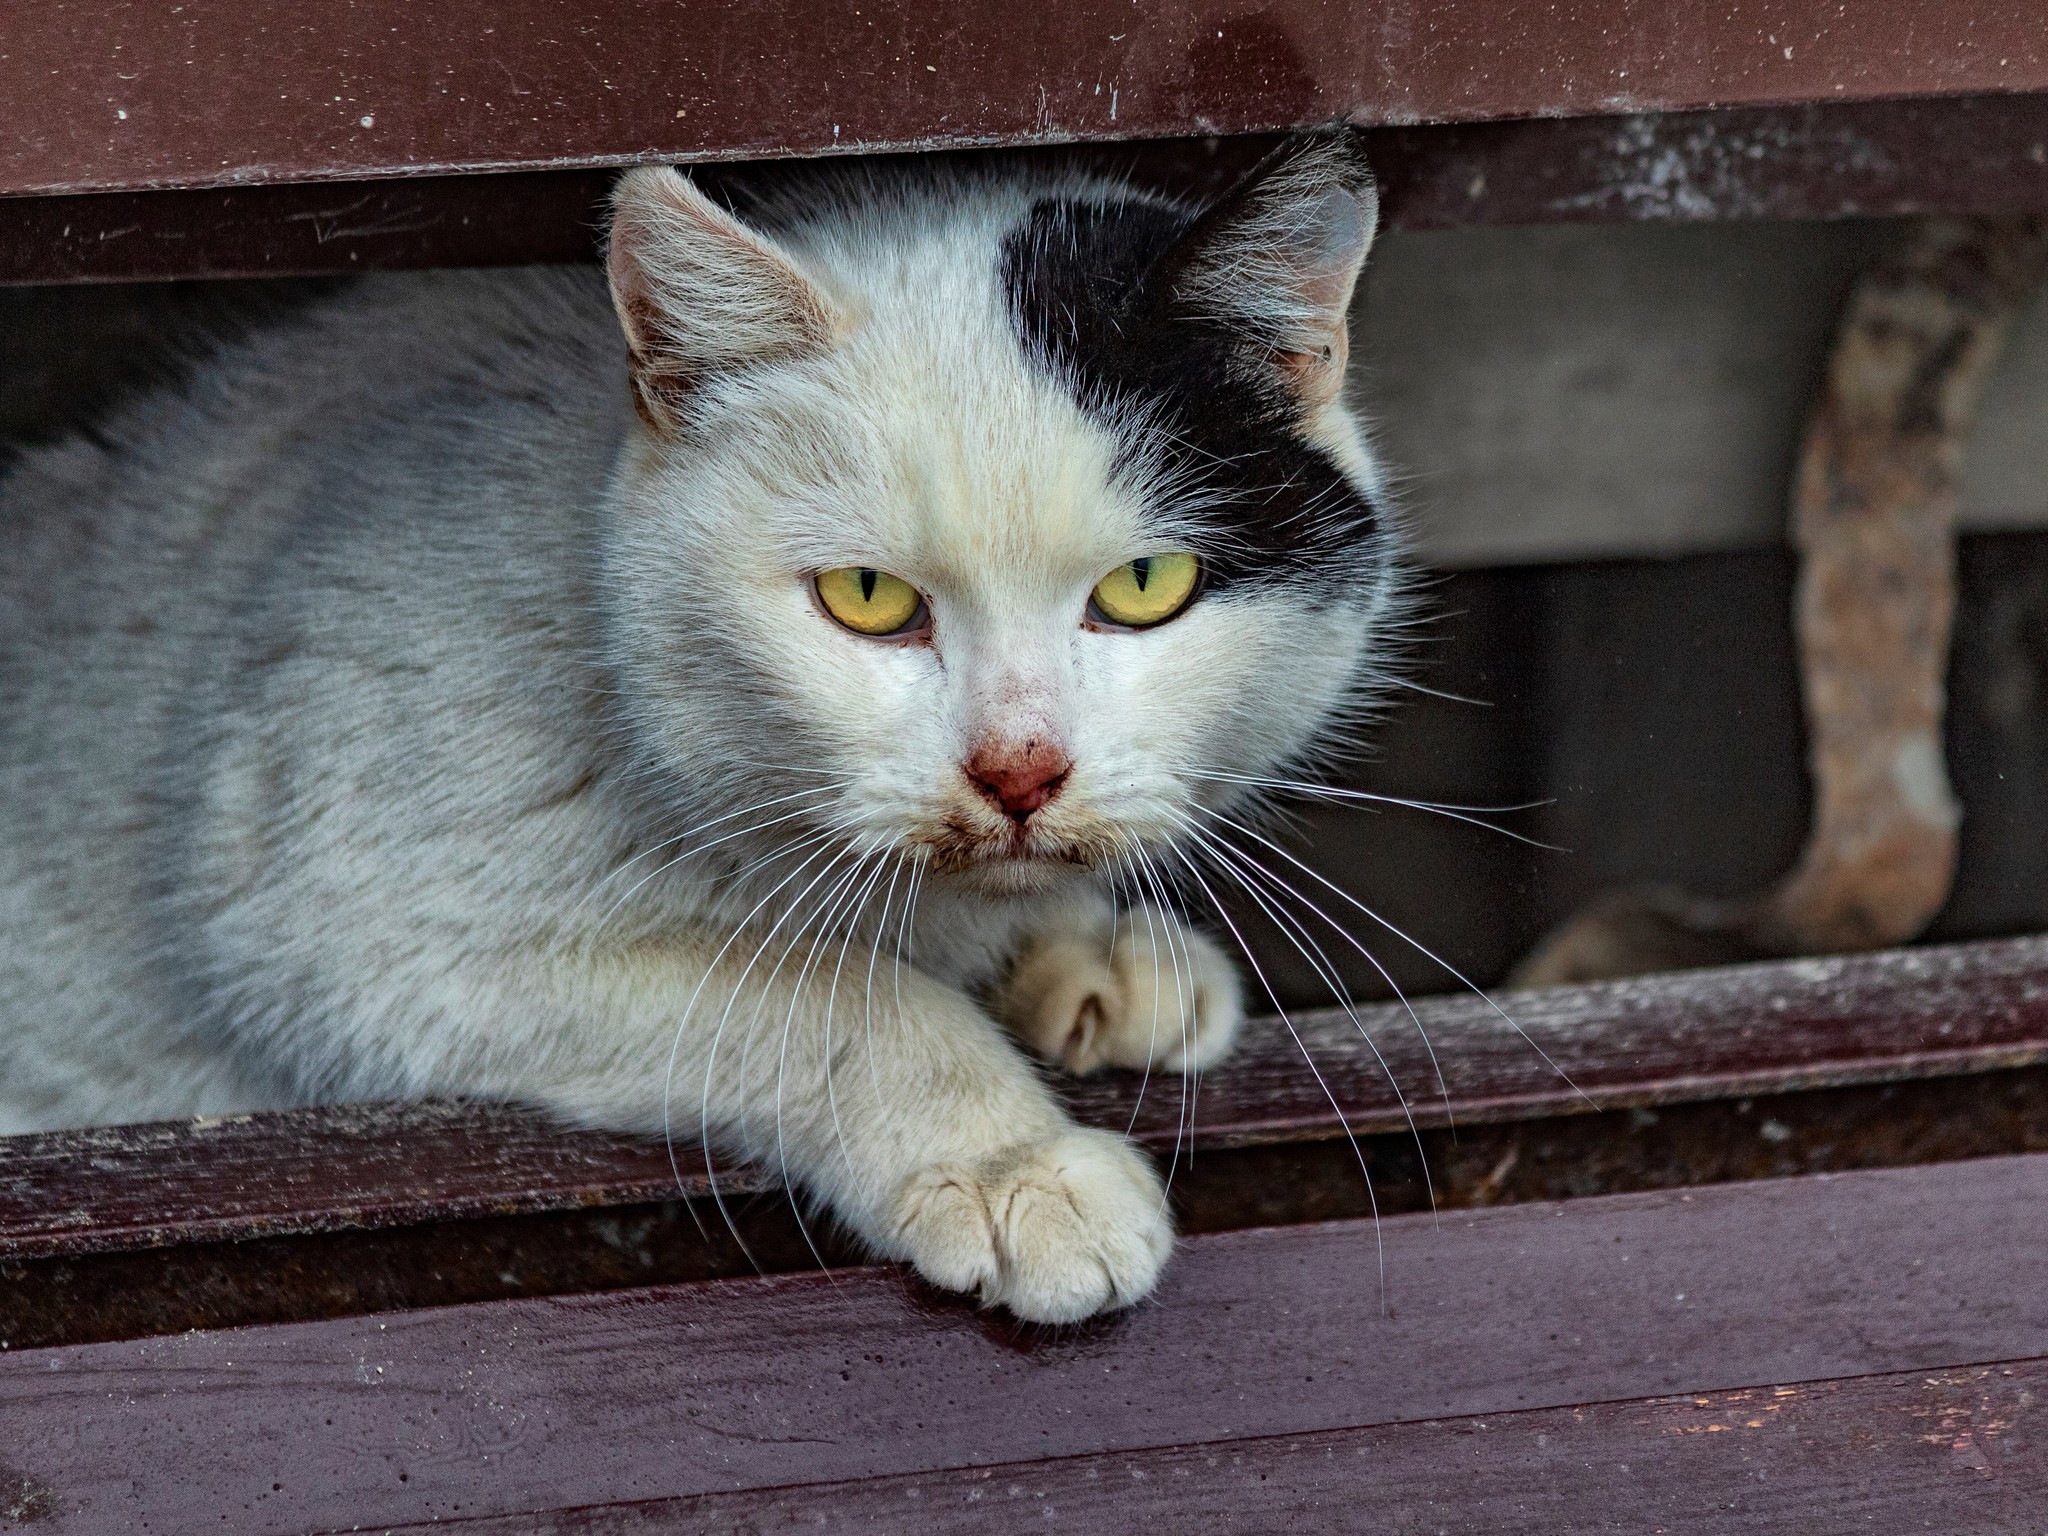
(1580, 393)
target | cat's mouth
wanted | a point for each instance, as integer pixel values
(1010, 859)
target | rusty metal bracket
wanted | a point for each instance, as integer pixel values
(1873, 517)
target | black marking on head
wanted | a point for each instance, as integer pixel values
(1088, 296)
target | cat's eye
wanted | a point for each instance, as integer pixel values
(870, 602)
(1147, 591)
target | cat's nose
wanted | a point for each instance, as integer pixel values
(1018, 777)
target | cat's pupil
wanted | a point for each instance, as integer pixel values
(867, 585)
(1140, 571)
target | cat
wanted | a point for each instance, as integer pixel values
(724, 694)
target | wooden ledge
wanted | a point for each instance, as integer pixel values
(123, 97)
(1760, 1459)
(1490, 1330)
(1691, 1036)
(1964, 155)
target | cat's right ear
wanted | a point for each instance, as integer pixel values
(1278, 258)
(699, 292)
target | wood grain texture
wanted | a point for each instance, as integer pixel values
(1655, 1040)
(109, 95)
(319, 1170)
(504, 1408)
(1714, 1033)
(1963, 1452)
(1969, 155)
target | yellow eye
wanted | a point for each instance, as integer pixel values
(869, 602)
(1147, 591)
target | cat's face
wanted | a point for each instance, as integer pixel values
(992, 524)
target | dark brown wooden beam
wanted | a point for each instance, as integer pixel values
(1958, 1451)
(512, 1408)
(1979, 155)
(114, 95)
(1659, 1040)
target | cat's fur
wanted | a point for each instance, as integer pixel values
(397, 710)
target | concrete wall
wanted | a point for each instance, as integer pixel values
(1585, 393)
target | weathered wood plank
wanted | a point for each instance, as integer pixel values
(502, 1408)
(1713, 1033)
(109, 96)
(1963, 1452)
(1970, 155)
(320, 1170)
(1657, 1040)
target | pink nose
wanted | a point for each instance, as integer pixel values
(1020, 777)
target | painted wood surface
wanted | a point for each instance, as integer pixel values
(108, 95)
(1963, 1452)
(502, 1409)
(1657, 1040)
(1961, 155)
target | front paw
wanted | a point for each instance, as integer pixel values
(1056, 1230)
(1156, 994)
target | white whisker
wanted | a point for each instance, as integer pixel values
(1280, 1011)
(1319, 961)
(1419, 946)
(1274, 880)
(682, 1024)
(1470, 814)
(874, 954)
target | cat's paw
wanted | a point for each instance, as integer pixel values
(1056, 1230)
(1156, 993)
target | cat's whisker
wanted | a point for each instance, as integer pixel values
(902, 928)
(1152, 1040)
(875, 954)
(765, 985)
(693, 831)
(1183, 1124)
(1310, 787)
(824, 918)
(884, 860)
(1412, 686)
(819, 917)
(1184, 965)
(1470, 814)
(845, 897)
(1248, 874)
(604, 919)
(1117, 875)
(1421, 948)
(1191, 1073)
(740, 876)
(910, 929)
(682, 1025)
(1280, 1011)
(841, 779)
(732, 998)
(1216, 840)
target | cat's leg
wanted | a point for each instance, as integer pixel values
(886, 1093)
(1092, 987)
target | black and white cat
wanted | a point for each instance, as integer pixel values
(438, 696)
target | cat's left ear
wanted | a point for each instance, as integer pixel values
(1278, 259)
(698, 292)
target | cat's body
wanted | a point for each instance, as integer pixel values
(395, 711)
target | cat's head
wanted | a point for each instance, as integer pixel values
(1009, 522)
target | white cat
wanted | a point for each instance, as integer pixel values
(437, 696)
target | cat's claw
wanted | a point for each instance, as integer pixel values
(1055, 1231)
(1155, 993)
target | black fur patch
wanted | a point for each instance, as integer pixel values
(1085, 295)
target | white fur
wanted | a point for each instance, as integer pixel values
(391, 713)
